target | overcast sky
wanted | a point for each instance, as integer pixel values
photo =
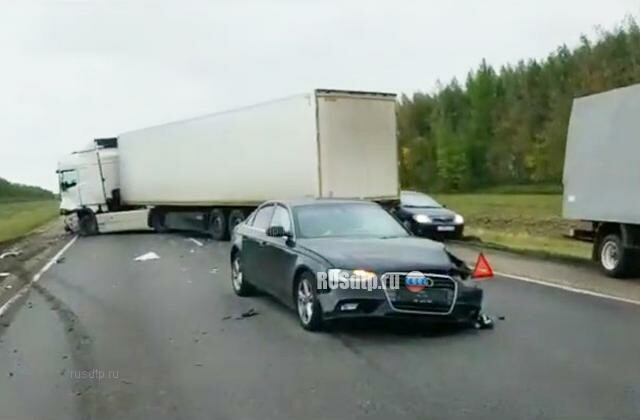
(71, 71)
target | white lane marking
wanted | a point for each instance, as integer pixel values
(568, 288)
(195, 241)
(36, 277)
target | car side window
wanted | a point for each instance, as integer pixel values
(263, 217)
(281, 218)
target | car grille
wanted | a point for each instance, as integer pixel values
(440, 297)
(442, 219)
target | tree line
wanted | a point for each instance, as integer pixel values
(509, 126)
(10, 191)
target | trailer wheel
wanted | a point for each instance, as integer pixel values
(218, 228)
(614, 259)
(235, 218)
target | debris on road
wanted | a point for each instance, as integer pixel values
(79, 393)
(60, 260)
(484, 322)
(248, 314)
(124, 381)
(10, 254)
(198, 364)
(213, 271)
(195, 241)
(224, 318)
(501, 318)
(10, 374)
(148, 256)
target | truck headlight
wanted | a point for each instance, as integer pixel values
(458, 220)
(421, 218)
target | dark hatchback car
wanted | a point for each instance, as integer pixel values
(424, 216)
(304, 252)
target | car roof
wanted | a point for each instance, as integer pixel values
(412, 192)
(319, 201)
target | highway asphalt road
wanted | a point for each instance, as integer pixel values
(160, 333)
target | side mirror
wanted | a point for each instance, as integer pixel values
(276, 232)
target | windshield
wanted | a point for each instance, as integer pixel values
(344, 220)
(418, 200)
(68, 178)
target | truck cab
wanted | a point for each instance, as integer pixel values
(89, 182)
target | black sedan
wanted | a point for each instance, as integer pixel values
(332, 259)
(424, 216)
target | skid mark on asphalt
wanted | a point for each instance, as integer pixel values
(90, 403)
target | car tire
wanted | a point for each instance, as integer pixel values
(239, 283)
(306, 303)
(218, 228)
(613, 258)
(235, 218)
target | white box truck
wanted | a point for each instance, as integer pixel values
(602, 176)
(208, 173)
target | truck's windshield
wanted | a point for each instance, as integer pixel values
(68, 179)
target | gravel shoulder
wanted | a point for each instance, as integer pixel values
(579, 275)
(31, 253)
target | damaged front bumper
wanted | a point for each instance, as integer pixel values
(349, 303)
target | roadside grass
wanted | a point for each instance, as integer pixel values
(20, 218)
(522, 222)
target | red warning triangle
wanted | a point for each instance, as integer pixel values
(482, 270)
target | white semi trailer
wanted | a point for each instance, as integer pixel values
(602, 176)
(208, 173)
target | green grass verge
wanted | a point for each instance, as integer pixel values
(19, 218)
(523, 222)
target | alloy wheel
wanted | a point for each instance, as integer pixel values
(305, 301)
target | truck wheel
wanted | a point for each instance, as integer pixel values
(158, 222)
(87, 224)
(235, 218)
(218, 228)
(614, 259)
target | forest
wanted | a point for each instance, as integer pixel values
(10, 191)
(508, 126)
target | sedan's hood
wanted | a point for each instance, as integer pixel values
(381, 255)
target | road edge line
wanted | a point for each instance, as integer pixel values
(568, 288)
(36, 277)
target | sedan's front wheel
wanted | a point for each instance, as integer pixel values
(309, 309)
(240, 285)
